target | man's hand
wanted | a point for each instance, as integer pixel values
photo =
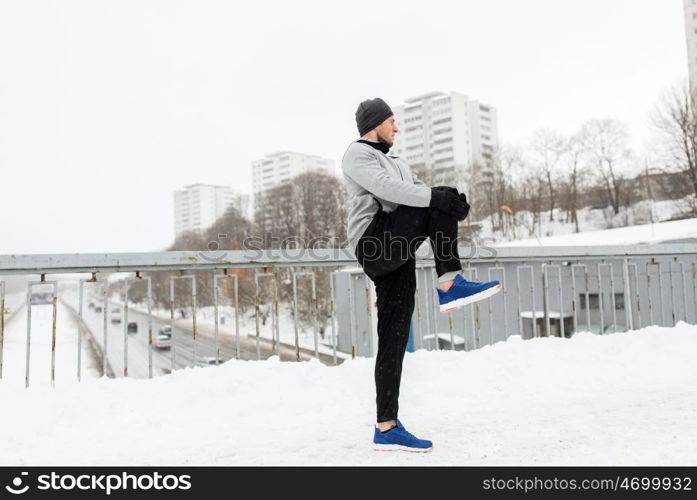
(463, 198)
(450, 202)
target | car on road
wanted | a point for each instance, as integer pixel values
(90, 305)
(162, 341)
(132, 327)
(208, 361)
(116, 315)
(97, 309)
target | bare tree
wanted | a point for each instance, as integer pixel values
(575, 157)
(675, 117)
(308, 211)
(547, 148)
(609, 155)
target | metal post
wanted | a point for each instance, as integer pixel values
(332, 311)
(295, 317)
(532, 298)
(237, 320)
(612, 290)
(105, 307)
(694, 288)
(366, 283)
(149, 281)
(171, 323)
(256, 314)
(574, 302)
(53, 334)
(672, 293)
(474, 308)
(127, 282)
(54, 286)
(216, 309)
(193, 316)
(562, 327)
(435, 304)
(125, 329)
(627, 295)
(638, 299)
(215, 315)
(660, 291)
(503, 297)
(545, 300)
(79, 331)
(26, 375)
(601, 304)
(428, 311)
(417, 323)
(352, 316)
(314, 308)
(274, 312)
(684, 289)
(277, 317)
(315, 314)
(648, 292)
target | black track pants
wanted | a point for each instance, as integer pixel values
(386, 253)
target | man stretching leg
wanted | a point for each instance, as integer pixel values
(392, 212)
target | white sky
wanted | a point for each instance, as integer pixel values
(107, 107)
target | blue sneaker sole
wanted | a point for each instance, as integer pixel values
(399, 447)
(457, 304)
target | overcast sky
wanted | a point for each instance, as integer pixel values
(107, 107)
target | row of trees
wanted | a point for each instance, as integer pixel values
(593, 167)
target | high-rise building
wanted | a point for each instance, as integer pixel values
(277, 168)
(445, 134)
(690, 7)
(198, 206)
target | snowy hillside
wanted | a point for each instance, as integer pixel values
(622, 399)
(519, 225)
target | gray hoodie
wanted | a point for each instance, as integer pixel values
(369, 174)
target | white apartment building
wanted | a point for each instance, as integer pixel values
(690, 7)
(198, 206)
(445, 133)
(274, 169)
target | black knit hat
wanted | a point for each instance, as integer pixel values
(370, 114)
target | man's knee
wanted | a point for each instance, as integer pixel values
(447, 188)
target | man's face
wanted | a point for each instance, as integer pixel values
(387, 130)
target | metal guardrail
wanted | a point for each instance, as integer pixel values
(549, 277)
(547, 292)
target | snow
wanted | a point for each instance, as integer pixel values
(623, 399)
(645, 233)
(646, 221)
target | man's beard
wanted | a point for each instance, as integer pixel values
(389, 142)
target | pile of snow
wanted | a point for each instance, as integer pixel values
(628, 398)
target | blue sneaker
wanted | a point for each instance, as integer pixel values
(464, 292)
(398, 438)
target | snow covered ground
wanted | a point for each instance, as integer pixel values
(646, 233)
(597, 226)
(622, 399)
